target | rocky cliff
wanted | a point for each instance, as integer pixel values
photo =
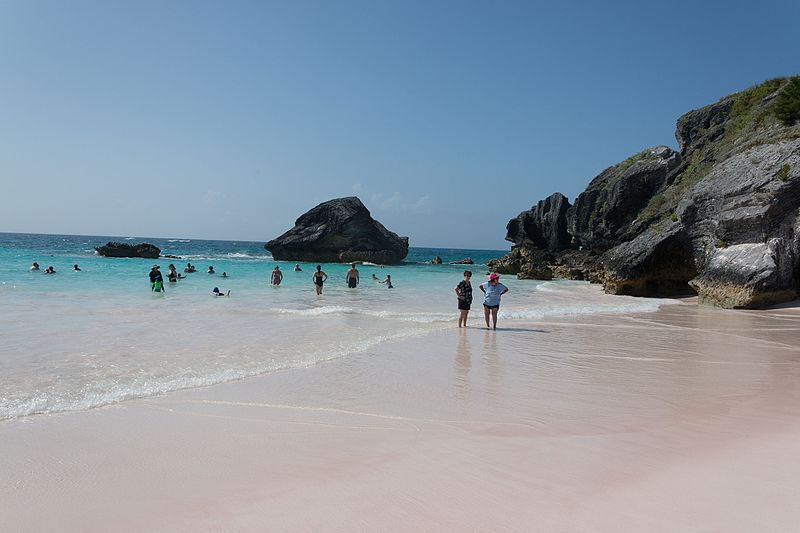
(721, 216)
(340, 230)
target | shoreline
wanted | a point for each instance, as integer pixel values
(686, 418)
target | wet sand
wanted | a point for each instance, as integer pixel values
(687, 419)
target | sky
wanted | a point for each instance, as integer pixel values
(228, 120)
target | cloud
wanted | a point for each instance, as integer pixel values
(396, 202)
(213, 199)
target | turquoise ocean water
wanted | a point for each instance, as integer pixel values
(77, 340)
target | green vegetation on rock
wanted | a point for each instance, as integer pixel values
(754, 119)
(787, 104)
(783, 173)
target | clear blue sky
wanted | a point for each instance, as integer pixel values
(227, 120)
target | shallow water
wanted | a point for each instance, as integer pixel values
(76, 340)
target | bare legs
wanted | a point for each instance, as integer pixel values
(486, 312)
(462, 318)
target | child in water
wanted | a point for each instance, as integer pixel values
(388, 282)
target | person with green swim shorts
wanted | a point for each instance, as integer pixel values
(156, 279)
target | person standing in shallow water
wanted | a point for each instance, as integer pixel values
(156, 279)
(464, 295)
(277, 276)
(352, 276)
(319, 278)
(492, 291)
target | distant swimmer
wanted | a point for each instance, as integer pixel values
(216, 292)
(224, 274)
(375, 278)
(156, 279)
(76, 268)
(492, 290)
(319, 278)
(211, 270)
(352, 276)
(34, 266)
(297, 268)
(464, 295)
(277, 276)
(50, 270)
(388, 282)
(189, 268)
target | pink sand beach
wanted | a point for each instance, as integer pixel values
(686, 419)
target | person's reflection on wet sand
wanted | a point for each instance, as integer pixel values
(463, 362)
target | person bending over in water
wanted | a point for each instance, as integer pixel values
(34, 266)
(352, 276)
(492, 290)
(464, 294)
(388, 282)
(277, 276)
(319, 278)
(216, 292)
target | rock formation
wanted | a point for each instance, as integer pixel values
(721, 216)
(340, 230)
(465, 261)
(121, 249)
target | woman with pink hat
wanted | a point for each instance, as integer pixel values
(492, 291)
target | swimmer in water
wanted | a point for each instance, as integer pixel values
(34, 266)
(216, 292)
(297, 268)
(211, 270)
(319, 278)
(224, 274)
(76, 268)
(277, 276)
(388, 282)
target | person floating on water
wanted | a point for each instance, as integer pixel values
(34, 266)
(277, 276)
(156, 279)
(297, 268)
(211, 270)
(388, 282)
(352, 276)
(319, 278)
(216, 292)
(492, 290)
(464, 294)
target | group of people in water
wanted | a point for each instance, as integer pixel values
(492, 290)
(318, 278)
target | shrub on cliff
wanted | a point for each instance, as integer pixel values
(787, 103)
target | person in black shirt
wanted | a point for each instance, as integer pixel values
(464, 294)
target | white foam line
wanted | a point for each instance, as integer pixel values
(355, 413)
(151, 405)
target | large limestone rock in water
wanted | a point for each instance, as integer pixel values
(340, 230)
(121, 249)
